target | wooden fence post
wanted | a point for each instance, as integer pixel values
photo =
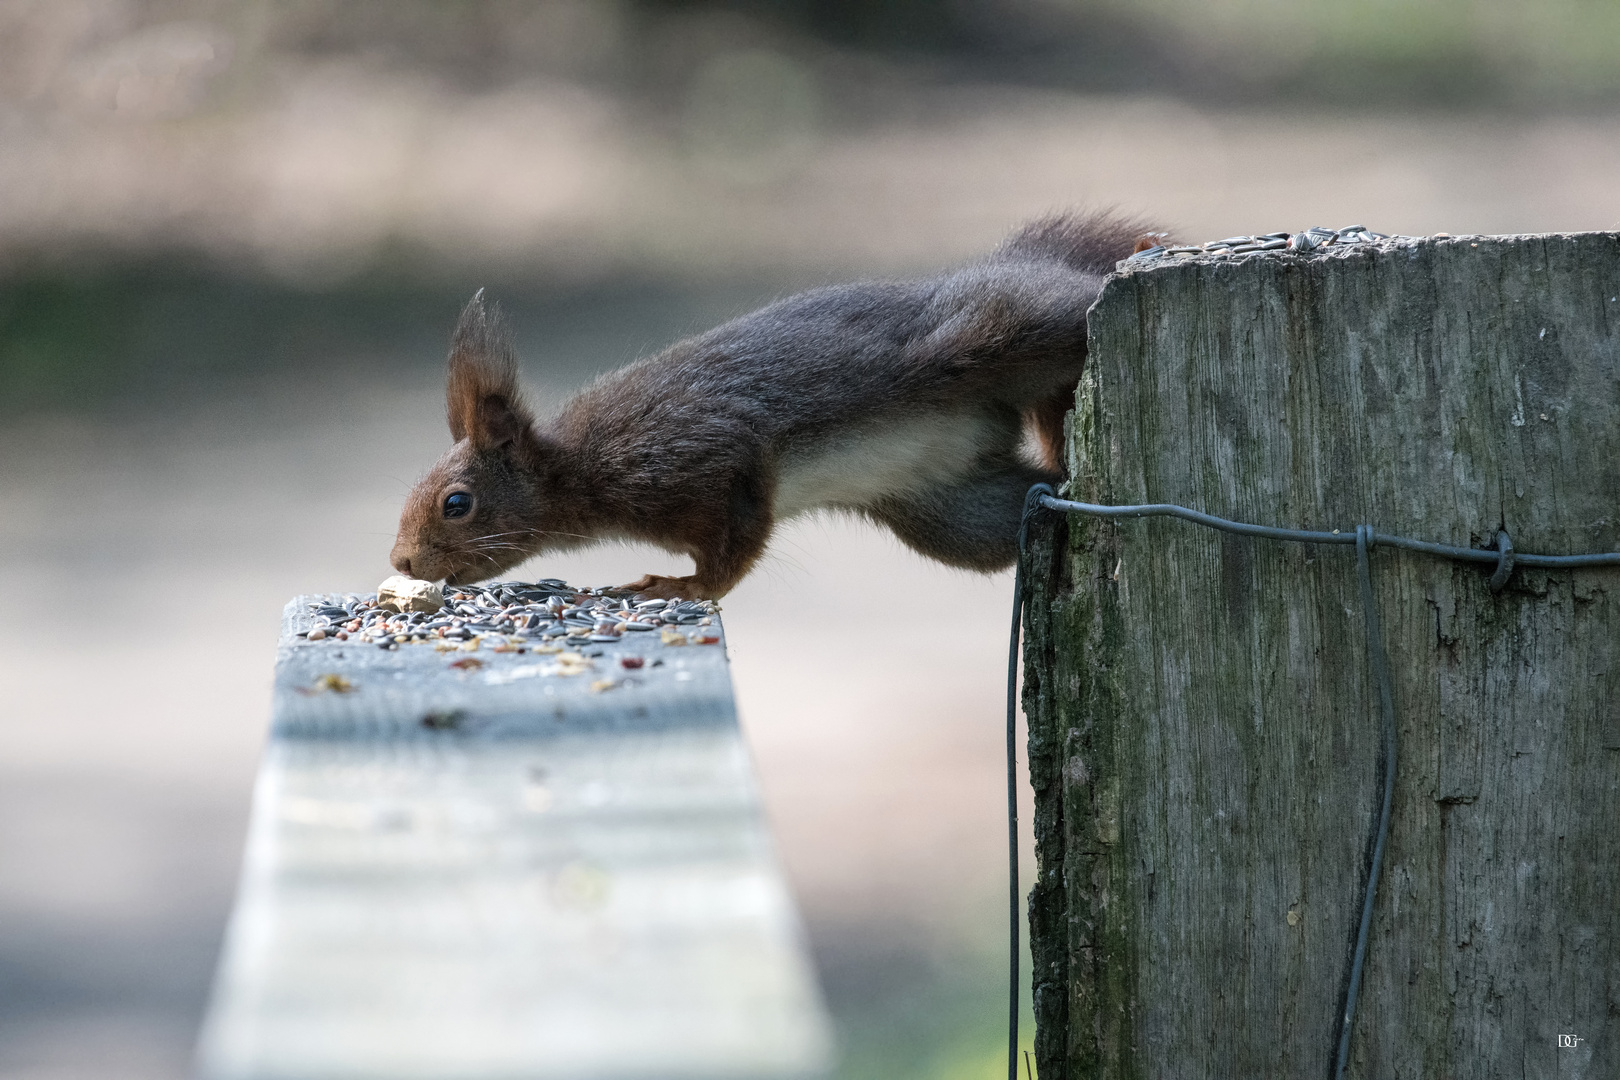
(1204, 733)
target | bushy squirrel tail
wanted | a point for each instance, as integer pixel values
(1094, 241)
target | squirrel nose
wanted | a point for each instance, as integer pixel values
(402, 563)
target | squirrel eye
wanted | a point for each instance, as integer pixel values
(457, 504)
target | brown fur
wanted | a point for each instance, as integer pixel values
(902, 401)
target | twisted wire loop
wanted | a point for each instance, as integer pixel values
(1365, 538)
(1504, 562)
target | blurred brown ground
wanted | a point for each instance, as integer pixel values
(152, 531)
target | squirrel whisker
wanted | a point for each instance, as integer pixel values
(496, 536)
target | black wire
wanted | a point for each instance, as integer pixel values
(1365, 538)
(1602, 558)
(1386, 708)
(1032, 503)
(1012, 823)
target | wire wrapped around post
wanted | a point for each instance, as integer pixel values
(1365, 538)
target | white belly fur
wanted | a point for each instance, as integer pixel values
(855, 468)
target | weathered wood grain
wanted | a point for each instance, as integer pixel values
(1204, 735)
(539, 881)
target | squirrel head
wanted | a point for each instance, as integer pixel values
(483, 507)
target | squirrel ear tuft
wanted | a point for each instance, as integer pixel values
(481, 396)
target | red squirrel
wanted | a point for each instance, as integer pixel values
(906, 402)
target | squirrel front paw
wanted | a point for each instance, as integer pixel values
(659, 587)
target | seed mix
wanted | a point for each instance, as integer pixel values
(1310, 240)
(513, 615)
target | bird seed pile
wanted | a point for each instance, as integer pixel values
(511, 616)
(1309, 240)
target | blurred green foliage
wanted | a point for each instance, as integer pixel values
(1350, 51)
(938, 1013)
(83, 336)
(168, 332)
(1445, 51)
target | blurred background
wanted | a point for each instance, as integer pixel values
(234, 237)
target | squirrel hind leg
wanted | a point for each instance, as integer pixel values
(972, 524)
(1045, 420)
